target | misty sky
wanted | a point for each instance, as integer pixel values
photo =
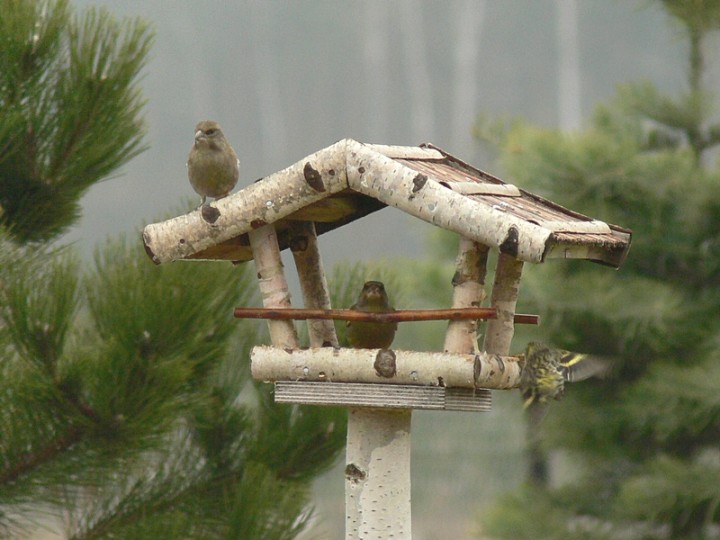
(286, 79)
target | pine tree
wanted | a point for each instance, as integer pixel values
(126, 405)
(69, 109)
(643, 445)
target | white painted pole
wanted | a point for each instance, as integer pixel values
(377, 475)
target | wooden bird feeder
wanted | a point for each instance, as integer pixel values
(332, 188)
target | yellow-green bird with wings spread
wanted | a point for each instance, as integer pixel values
(546, 370)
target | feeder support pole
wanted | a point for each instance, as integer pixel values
(377, 474)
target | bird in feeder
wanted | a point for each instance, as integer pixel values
(546, 370)
(372, 335)
(213, 166)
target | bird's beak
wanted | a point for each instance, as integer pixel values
(199, 134)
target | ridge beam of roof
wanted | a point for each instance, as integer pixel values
(406, 152)
(376, 175)
(266, 201)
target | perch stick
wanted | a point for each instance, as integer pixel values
(400, 315)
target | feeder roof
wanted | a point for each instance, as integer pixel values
(349, 180)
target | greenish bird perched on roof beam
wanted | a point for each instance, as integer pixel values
(213, 166)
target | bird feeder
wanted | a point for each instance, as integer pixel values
(380, 388)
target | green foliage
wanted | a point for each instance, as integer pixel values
(267, 513)
(297, 442)
(37, 303)
(131, 383)
(682, 492)
(680, 403)
(69, 109)
(526, 515)
(695, 15)
(644, 443)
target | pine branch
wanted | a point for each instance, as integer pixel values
(50, 451)
(70, 110)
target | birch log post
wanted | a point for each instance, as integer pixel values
(313, 283)
(468, 292)
(506, 286)
(273, 285)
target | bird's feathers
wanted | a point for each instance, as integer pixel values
(546, 370)
(370, 335)
(213, 166)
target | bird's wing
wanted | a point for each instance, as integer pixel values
(578, 367)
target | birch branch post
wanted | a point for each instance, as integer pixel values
(313, 283)
(273, 285)
(468, 292)
(505, 291)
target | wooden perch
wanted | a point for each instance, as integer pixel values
(400, 315)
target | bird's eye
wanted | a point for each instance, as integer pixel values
(210, 131)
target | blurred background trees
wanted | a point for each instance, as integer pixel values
(640, 451)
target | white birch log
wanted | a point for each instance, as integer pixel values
(265, 201)
(385, 366)
(273, 285)
(500, 330)
(422, 196)
(468, 292)
(313, 283)
(377, 474)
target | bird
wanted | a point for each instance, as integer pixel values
(213, 166)
(546, 370)
(370, 335)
